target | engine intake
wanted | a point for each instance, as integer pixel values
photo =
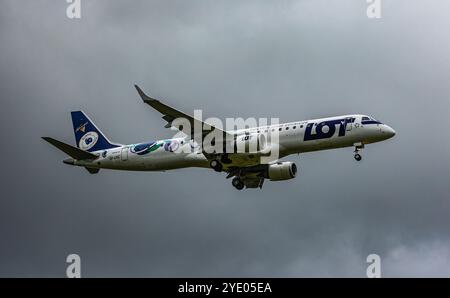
(281, 171)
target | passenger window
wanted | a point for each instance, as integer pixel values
(287, 127)
(294, 127)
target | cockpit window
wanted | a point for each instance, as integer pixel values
(369, 120)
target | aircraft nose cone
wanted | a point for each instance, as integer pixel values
(389, 131)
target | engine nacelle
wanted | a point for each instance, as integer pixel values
(281, 171)
(252, 143)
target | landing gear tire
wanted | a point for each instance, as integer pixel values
(225, 159)
(358, 147)
(237, 183)
(216, 165)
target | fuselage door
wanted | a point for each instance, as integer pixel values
(124, 154)
(357, 122)
(349, 123)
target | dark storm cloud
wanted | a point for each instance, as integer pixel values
(287, 59)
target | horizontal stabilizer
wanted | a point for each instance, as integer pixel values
(72, 151)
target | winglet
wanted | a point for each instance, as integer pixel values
(145, 97)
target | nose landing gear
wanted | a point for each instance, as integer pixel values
(358, 147)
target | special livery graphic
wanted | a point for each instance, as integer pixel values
(247, 168)
(88, 140)
(145, 148)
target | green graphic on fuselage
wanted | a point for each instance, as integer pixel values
(141, 149)
(145, 148)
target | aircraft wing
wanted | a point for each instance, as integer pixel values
(170, 114)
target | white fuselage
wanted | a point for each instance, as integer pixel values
(293, 137)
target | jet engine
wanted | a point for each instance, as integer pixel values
(281, 171)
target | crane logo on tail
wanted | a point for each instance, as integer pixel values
(82, 127)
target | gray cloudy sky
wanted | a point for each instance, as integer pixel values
(288, 59)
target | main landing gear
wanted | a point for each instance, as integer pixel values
(216, 165)
(358, 148)
(237, 183)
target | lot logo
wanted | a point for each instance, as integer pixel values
(88, 140)
(327, 129)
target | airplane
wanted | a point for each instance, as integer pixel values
(94, 151)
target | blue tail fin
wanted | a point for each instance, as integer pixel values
(87, 135)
